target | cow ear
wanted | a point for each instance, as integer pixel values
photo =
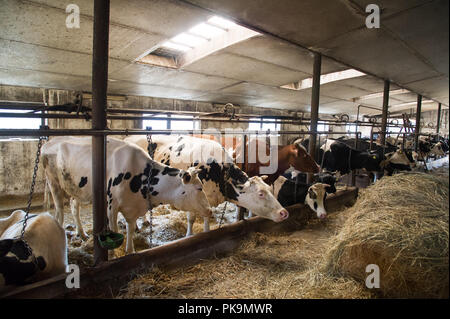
(5, 246)
(311, 193)
(264, 177)
(294, 150)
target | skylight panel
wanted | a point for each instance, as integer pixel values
(221, 22)
(188, 39)
(176, 46)
(324, 78)
(206, 30)
(196, 43)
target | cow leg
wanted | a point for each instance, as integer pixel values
(190, 222)
(113, 212)
(205, 224)
(131, 227)
(46, 203)
(75, 208)
(58, 200)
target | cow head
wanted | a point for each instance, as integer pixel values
(437, 149)
(372, 161)
(315, 199)
(192, 197)
(301, 160)
(257, 197)
(400, 159)
(17, 263)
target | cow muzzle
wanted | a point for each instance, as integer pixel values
(282, 214)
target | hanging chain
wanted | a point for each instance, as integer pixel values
(149, 202)
(33, 183)
(150, 150)
(150, 208)
(223, 213)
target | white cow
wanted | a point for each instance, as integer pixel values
(45, 237)
(68, 168)
(222, 179)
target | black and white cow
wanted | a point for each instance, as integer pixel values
(428, 147)
(324, 178)
(337, 156)
(45, 237)
(289, 192)
(222, 179)
(67, 163)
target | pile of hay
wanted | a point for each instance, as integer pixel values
(400, 224)
(265, 266)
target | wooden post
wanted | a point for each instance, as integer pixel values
(315, 97)
(417, 131)
(99, 91)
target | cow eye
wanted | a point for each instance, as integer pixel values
(261, 194)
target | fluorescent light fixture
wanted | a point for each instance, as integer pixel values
(412, 103)
(380, 94)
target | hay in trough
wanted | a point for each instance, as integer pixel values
(401, 224)
(264, 266)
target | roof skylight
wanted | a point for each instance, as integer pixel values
(196, 43)
(199, 34)
(324, 78)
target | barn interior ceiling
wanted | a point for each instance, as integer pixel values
(410, 48)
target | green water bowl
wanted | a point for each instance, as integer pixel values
(110, 240)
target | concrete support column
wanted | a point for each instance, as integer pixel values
(99, 92)
(438, 125)
(417, 131)
(315, 96)
(384, 111)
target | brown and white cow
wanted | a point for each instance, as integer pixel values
(131, 175)
(222, 179)
(45, 237)
(294, 155)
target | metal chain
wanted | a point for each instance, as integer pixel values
(33, 183)
(149, 207)
(149, 143)
(149, 203)
(223, 213)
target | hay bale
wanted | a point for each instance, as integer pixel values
(401, 225)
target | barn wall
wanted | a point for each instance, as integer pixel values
(16, 167)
